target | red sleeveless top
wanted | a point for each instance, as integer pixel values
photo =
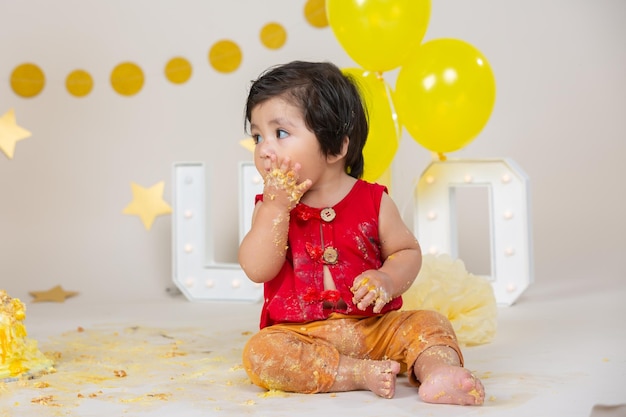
(343, 237)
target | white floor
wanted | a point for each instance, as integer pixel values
(558, 352)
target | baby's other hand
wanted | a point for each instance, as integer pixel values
(369, 288)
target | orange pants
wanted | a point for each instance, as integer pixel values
(304, 357)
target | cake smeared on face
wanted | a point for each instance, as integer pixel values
(19, 356)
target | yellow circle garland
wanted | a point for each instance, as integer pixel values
(127, 79)
(273, 36)
(27, 80)
(178, 70)
(79, 83)
(225, 56)
(315, 13)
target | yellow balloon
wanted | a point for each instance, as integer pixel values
(379, 35)
(384, 130)
(445, 94)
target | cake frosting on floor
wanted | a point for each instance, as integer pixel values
(19, 356)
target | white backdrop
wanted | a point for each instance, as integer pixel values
(560, 68)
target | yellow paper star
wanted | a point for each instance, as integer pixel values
(10, 133)
(148, 203)
(56, 294)
(248, 143)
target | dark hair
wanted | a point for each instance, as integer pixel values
(330, 102)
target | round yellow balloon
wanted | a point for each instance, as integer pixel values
(379, 35)
(445, 94)
(384, 130)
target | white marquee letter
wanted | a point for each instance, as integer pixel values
(511, 245)
(199, 278)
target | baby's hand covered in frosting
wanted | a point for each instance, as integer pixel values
(281, 184)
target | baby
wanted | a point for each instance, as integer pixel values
(334, 254)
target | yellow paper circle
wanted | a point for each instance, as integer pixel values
(225, 56)
(27, 80)
(178, 70)
(79, 83)
(315, 13)
(273, 36)
(127, 79)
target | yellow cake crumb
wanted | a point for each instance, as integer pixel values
(273, 393)
(45, 400)
(160, 396)
(474, 393)
(439, 395)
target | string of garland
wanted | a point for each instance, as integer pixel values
(127, 78)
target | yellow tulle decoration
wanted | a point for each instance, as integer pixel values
(444, 285)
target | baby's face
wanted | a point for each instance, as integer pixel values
(278, 129)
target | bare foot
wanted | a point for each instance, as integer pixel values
(449, 384)
(376, 376)
(380, 377)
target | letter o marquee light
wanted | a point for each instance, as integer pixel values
(510, 226)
